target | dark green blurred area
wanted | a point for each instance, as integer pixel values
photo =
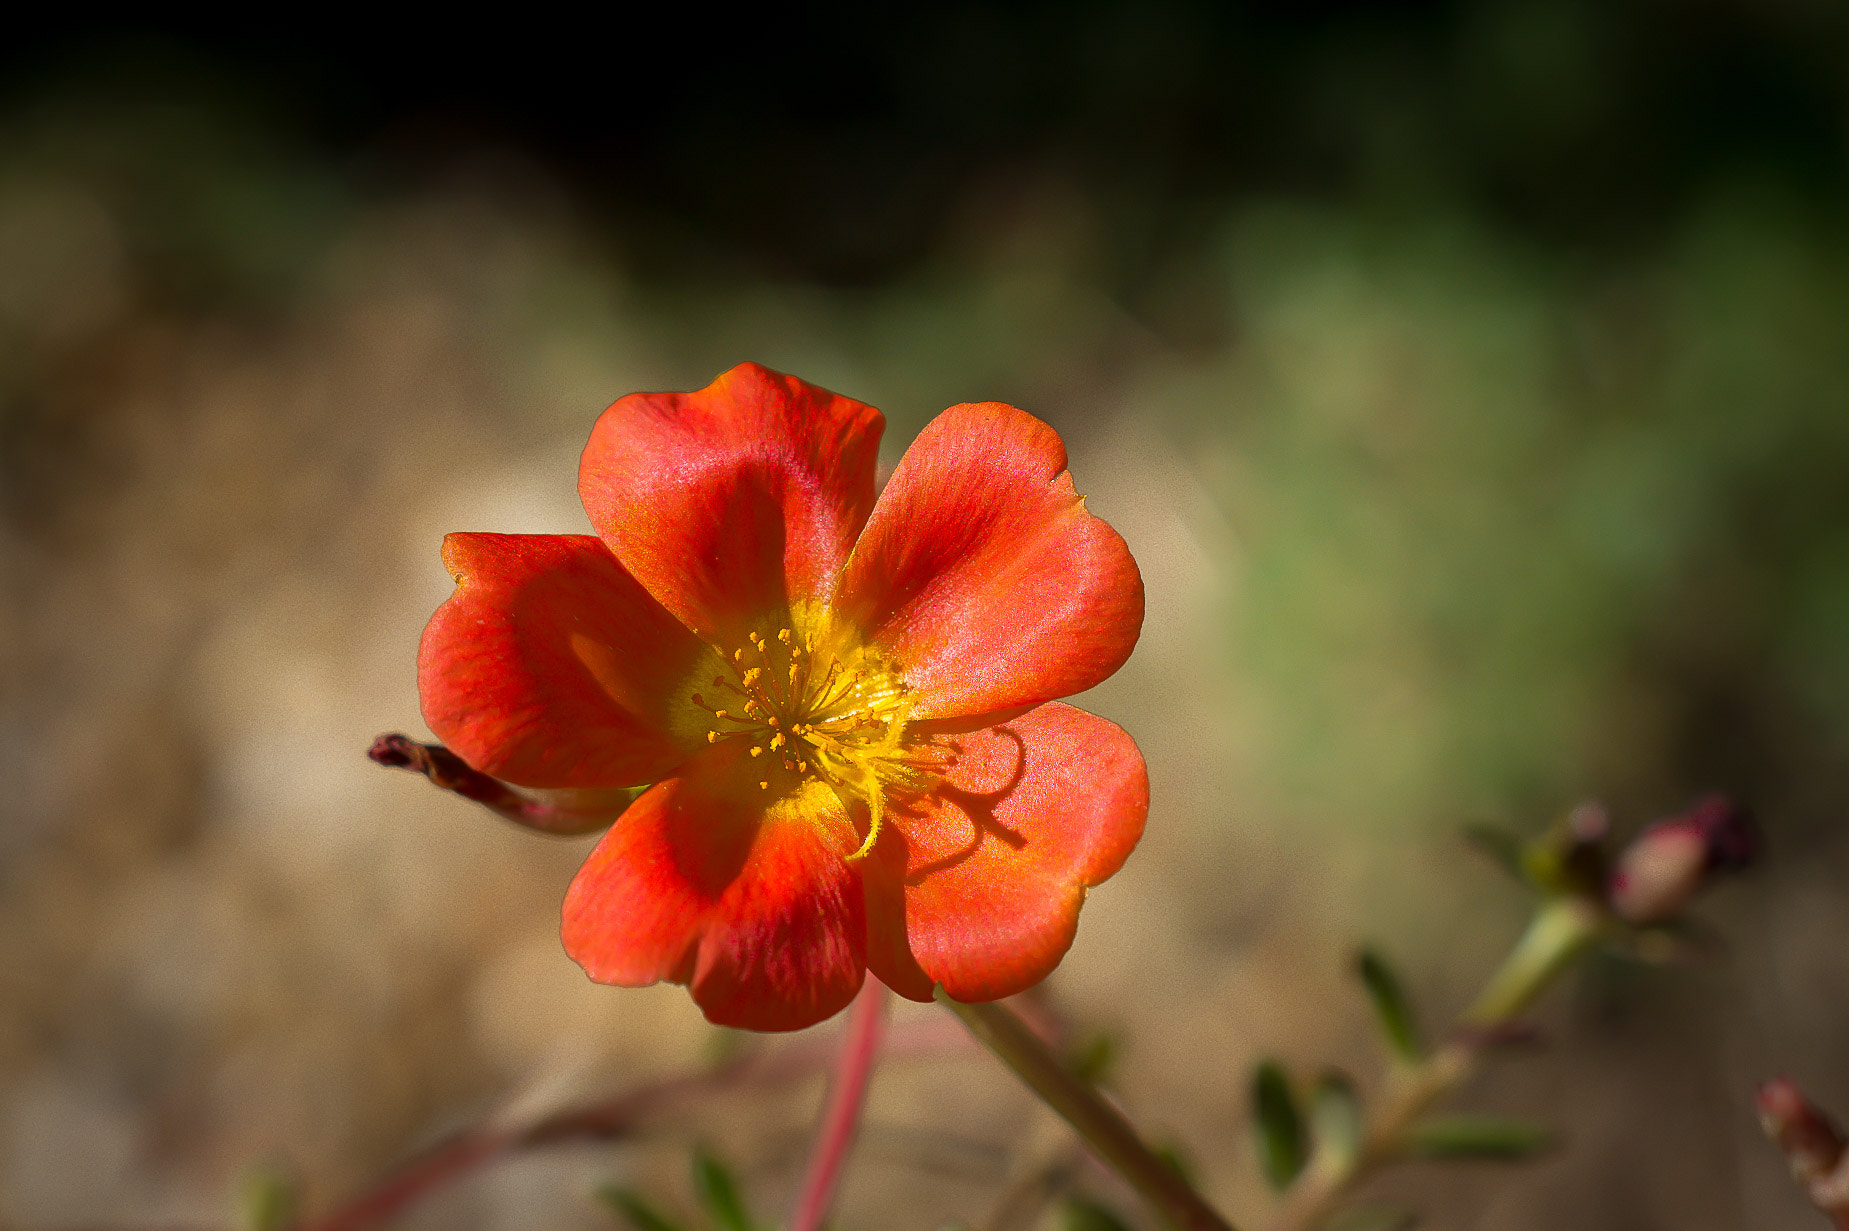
(1472, 380)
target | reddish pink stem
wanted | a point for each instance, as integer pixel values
(616, 1118)
(847, 1095)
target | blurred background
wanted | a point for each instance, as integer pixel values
(1471, 380)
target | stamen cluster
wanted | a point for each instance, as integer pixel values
(811, 709)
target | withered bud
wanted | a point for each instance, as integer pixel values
(1811, 1143)
(1813, 1146)
(556, 812)
(1667, 863)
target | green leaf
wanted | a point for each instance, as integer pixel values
(1175, 1155)
(1335, 1116)
(640, 1214)
(1391, 1006)
(1091, 1059)
(1501, 846)
(718, 1192)
(1282, 1149)
(268, 1199)
(1479, 1137)
(1083, 1214)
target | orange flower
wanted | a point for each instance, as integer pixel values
(846, 707)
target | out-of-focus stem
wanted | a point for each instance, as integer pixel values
(1559, 932)
(612, 1119)
(847, 1095)
(1101, 1125)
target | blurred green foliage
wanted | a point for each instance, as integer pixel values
(1283, 1138)
(1391, 1007)
(1513, 528)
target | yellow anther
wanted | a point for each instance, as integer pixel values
(738, 656)
(763, 786)
(751, 676)
(783, 635)
(776, 741)
(757, 752)
(719, 713)
(712, 737)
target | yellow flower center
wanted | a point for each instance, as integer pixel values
(813, 707)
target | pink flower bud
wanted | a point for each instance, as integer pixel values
(1811, 1143)
(1813, 1146)
(1665, 865)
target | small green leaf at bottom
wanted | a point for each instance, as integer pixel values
(1487, 1137)
(1391, 1006)
(638, 1212)
(1282, 1147)
(1092, 1059)
(268, 1198)
(718, 1192)
(1083, 1214)
(1178, 1159)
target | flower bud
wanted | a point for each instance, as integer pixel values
(1813, 1146)
(1664, 866)
(1569, 859)
(1811, 1143)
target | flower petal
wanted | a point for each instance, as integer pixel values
(748, 901)
(978, 886)
(731, 503)
(982, 574)
(550, 667)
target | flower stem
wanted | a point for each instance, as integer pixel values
(1561, 930)
(617, 1118)
(1558, 933)
(1101, 1125)
(847, 1095)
